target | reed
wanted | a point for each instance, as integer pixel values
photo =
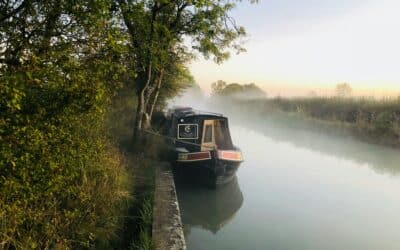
(374, 120)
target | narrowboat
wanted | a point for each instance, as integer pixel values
(202, 144)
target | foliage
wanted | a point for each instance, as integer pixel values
(176, 80)
(246, 91)
(158, 31)
(144, 240)
(62, 182)
(374, 120)
(136, 230)
(343, 90)
(217, 87)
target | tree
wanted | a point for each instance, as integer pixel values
(217, 87)
(232, 89)
(343, 90)
(174, 78)
(312, 94)
(158, 27)
(60, 62)
(251, 90)
(247, 91)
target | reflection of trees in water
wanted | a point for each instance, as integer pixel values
(207, 208)
(305, 135)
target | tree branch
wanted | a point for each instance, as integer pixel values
(5, 15)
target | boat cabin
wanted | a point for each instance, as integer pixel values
(199, 130)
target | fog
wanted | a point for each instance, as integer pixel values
(191, 97)
(381, 159)
(299, 187)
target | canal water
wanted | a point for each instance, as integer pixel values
(298, 190)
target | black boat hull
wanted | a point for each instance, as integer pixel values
(212, 172)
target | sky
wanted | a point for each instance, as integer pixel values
(297, 46)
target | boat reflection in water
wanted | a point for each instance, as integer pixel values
(210, 209)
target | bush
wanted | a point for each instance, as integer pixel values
(383, 123)
(62, 182)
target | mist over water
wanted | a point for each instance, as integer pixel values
(296, 189)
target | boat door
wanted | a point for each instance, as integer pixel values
(208, 140)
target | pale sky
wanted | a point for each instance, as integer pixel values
(295, 46)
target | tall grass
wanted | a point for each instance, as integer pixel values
(374, 120)
(145, 220)
(377, 119)
(141, 162)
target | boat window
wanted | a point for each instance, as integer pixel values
(222, 136)
(208, 134)
(187, 131)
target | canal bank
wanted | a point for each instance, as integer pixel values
(167, 230)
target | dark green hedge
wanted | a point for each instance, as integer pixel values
(62, 181)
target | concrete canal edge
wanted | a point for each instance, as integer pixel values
(167, 232)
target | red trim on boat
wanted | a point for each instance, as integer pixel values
(229, 155)
(199, 156)
(196, 156)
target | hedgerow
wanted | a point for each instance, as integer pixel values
(63, 183)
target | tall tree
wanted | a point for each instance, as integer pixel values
(157, 27)
(343, 90)
(217, 87)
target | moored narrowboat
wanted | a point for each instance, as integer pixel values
(202, 144)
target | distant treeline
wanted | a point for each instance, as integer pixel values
(374, 120)
(236, 90)
(377, 121)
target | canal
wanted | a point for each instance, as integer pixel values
(298, 190)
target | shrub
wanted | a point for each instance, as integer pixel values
(62, 183)
(383, 123)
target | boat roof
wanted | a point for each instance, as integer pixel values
(181, 112)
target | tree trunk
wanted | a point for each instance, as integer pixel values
(156, 94)
(143, 83)
(142, 120)
(139, 116)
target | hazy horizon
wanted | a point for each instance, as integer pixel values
(296, 48)
(296, 90)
